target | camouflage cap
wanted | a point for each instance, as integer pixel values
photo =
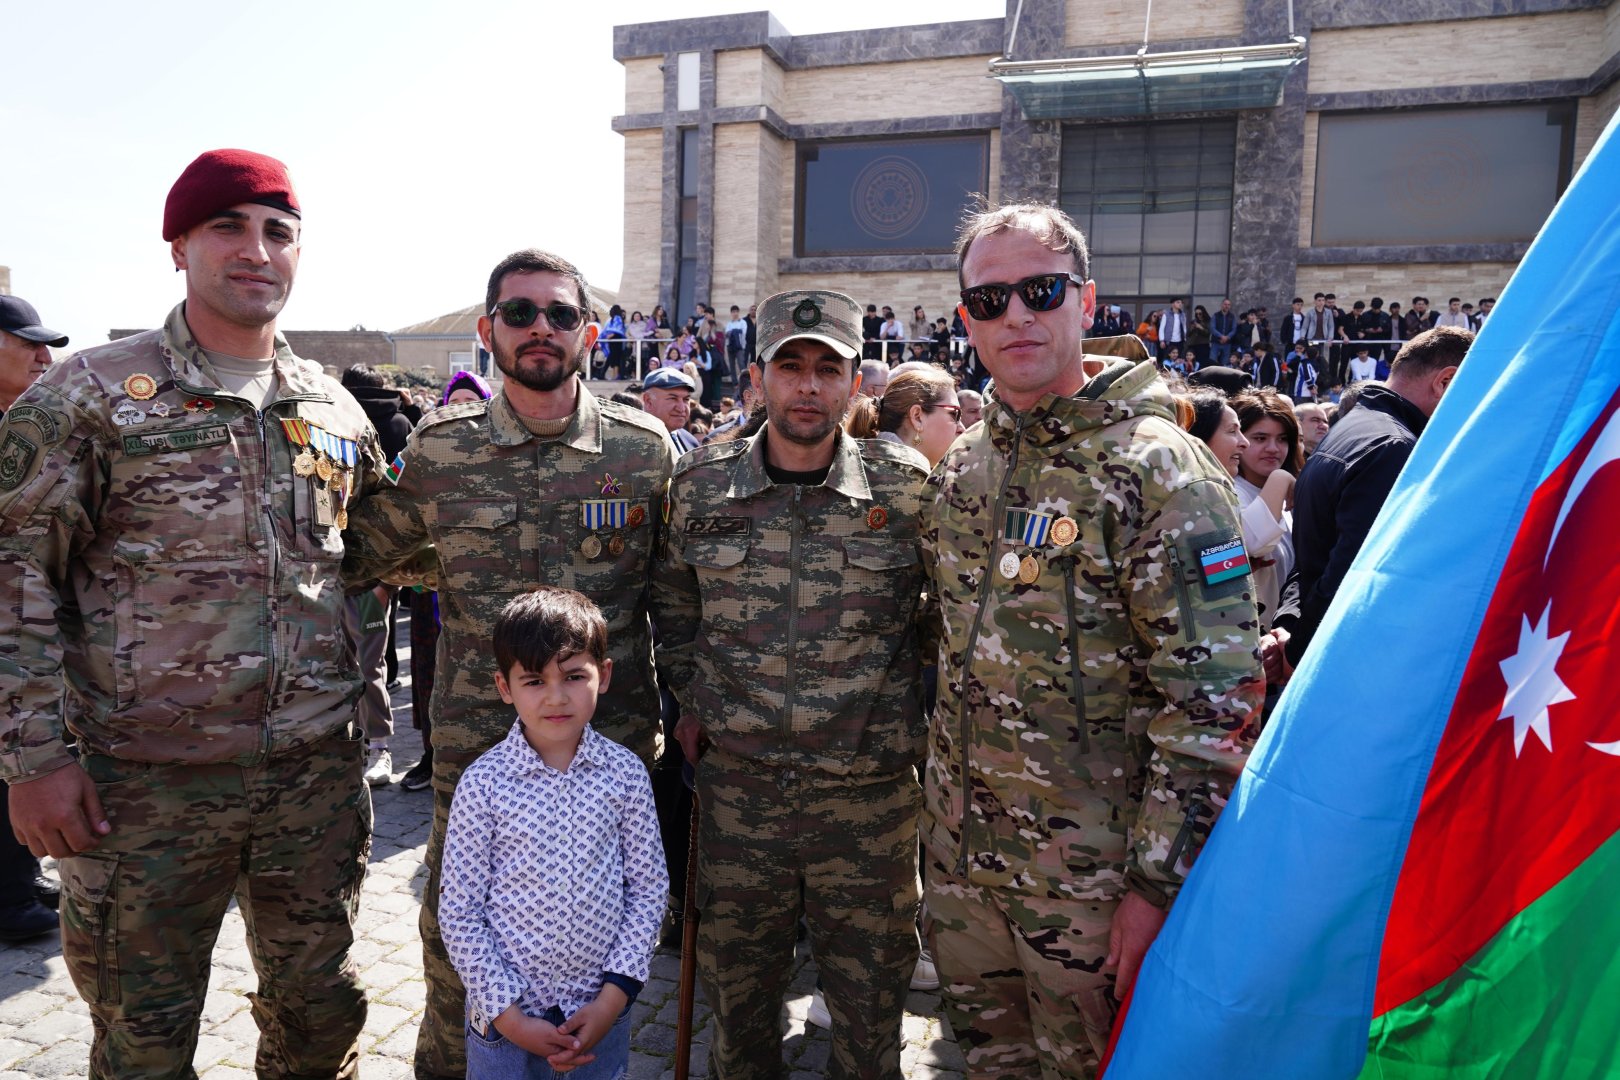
(829, 317)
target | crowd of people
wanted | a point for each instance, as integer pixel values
(935, 660)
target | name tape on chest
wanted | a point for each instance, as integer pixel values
(190, 438)
(719, 526)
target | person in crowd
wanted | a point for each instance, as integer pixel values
(1268, 465)
(919, 328)
(28, 899)
(1223, 333)
(1313, 425)
(892, 335)
(1148, 330)
(639, 329)
(1363, 366)
(871, 334)
(1346, 481)
(554, 880)
(1376, 329)
(874, 378)
(1300, 364)
(542, 483)
(1252, 333)
(666, 394)
(919, 409)
(1061, 622)
(1199, 336)
(1454, 316)
(1267, 369)
(736, 343)
(972, 403)
(172, 502)
(660, 325)
(942, 341)
(672, 357)
(793, 648)
(1172, 326)
(612, 343)
(1420, 318)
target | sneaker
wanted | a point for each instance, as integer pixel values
(47, 891)
(380, 767)
(925, 976)
(418, 776)
(819, 1015)
(26, 921)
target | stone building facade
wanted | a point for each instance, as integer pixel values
(1380, 161)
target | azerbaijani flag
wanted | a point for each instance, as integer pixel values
(1418, 875)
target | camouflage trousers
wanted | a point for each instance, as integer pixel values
(141, 913)
(441, 1047)
(365, 620)
(1021, 977)
(849, 847)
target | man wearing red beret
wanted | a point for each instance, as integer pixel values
(171, 508)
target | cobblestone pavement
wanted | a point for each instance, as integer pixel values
(45, 1028)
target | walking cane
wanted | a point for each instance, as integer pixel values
(688, 985)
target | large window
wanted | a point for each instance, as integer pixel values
(686, 265)
(886, 196)
(1155, 203)
(1440, 176)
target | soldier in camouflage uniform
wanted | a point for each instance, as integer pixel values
(1100, 680)
(169, 551)
(786, 607)
(543, 484)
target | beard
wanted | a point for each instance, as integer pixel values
(539, 366)
(803, 431)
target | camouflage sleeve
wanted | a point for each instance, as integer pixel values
(49, 487)
(677, 606)
(930, 618)
(386, 526)
(1192, 606)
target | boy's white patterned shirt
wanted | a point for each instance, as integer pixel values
(550, 879)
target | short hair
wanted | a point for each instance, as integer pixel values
(626, 397)
(1357, 306)
(1352, 393)
(917, 386)
(1417, 299)
(1428, 352)
(1050, 227)
(1205, 410)
(363, 375)
(1319, 296)
(548, 624)
(535, 261)
(1376, 303)
(873, 367)
(1299, 299)
(1455, 300)
(1487, 300)
(1264, 403)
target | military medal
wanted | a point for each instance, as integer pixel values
(304, 464)
(127, 414)
(877, 517)
(141, 387)
(342, 517)
(159, 410)
(610, 486)
(1009, 566)
(200, 403)
(616, 545)
(591, 546)
(1065, 531)
(637, 515)
(323, 469)
(298, 434)
(1029, 570)
(1026, 527)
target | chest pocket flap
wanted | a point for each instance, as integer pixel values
(477, 513)
(715, 554)
(873, 554)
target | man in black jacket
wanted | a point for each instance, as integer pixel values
(1344, 484)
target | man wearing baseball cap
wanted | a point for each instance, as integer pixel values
(177, 496)
(25, 348)
(667, 394)
(785, 604)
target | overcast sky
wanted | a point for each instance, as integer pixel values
(426, 140)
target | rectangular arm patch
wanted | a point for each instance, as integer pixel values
(1223, 561)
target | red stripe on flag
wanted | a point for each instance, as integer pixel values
(1498, 827)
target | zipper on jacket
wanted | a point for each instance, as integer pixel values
(1183, 835)
(996, 513)
(795, 535)
(1074, 657)
(267, 504)
(1189, 625)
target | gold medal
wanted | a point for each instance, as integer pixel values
(1065, 531)
(335, 482)
(342, 518)
(1009, 566)
(304, 464)
(1029, 570)
(141, 387)
(616, 545)
(323, 469)
(591, 546)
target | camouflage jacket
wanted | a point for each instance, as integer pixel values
(507, 510)
(787, 613)
(161, 558)
(1099, 690)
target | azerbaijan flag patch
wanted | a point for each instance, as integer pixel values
(1223, 562)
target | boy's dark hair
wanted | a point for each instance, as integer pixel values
(545, 625)
(363, 375)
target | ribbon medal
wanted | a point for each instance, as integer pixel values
(1065, 531)
(298, 435)
(1026, 527)
(1009, 566)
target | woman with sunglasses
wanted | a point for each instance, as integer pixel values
(918, 409)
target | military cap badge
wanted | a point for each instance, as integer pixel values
(807, 314)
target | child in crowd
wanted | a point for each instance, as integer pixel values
(554, 882)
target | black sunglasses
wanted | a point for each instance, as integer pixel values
(1043, 292)
(521, 312)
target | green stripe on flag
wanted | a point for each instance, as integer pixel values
(1227, 575)
(1536, 1003)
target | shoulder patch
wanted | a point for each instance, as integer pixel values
(1220, 562)
(459, 411)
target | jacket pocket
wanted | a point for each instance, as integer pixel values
(719, 555)
(89, 925)
(478, 538)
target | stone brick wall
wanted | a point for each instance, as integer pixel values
(887, 91)
(1120, 22)
(644, 85)
(745, 77)
(1437, 281)
(935, 290)
(1593, 116)
(746, 181)
(643, 208)
(1515, 49)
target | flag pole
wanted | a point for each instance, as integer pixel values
(688, 984)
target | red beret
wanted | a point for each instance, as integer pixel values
(220, 179)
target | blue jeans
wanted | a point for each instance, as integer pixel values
(493, 1057)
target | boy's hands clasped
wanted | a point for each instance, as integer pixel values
(543, 1039)
(588, 1025)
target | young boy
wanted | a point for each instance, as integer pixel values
(554, 881)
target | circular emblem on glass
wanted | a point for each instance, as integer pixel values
(806, 314)
(889, 198)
